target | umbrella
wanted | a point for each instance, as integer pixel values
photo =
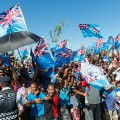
(16, 40)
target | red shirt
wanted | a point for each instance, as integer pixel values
(55, 105)
(51, 108)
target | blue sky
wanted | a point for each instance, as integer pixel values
(42, 15)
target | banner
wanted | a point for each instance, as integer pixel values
(95, 76)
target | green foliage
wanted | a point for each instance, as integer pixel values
(55, 35)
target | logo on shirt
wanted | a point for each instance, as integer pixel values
(7, 96)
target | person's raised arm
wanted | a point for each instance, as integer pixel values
(92, 57)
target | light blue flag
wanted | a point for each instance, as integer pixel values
(45, 62)
(110, 42)
(96, 48)
(90, 30)
(63, 57)
(43, 56)
(80, 55)
(24, 52)
(12, 20)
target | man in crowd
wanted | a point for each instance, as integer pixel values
(10, 99)
(92, 104)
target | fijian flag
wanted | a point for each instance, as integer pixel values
(81, 52)
(62, 44)
(80, 55)
(44, 58)
(12, 20)
(99, 42)
(90, 30)
(24, 52)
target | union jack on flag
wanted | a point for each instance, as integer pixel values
(62, 44)
(12, 20)
(95, 30)
(98, 42)
(24, 48)
(83, 26)
(41, 48)
(89, 30)
(68, 53)
(81, 52)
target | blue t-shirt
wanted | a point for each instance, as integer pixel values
(64, 98)
(110, 100)
(36, 109)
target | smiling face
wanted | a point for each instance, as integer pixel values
(105, 66)
(34, 88)
(115, 65)
(66, 83)
(51, 90)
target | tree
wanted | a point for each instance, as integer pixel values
(56, 34)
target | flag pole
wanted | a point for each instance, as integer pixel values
(19, 53)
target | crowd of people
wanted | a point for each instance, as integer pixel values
(29, 93)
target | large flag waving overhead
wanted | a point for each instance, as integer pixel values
(61, 45)
(63, 57)
(80, 55)
(90, 30)
(12, 20)
(43, 56)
